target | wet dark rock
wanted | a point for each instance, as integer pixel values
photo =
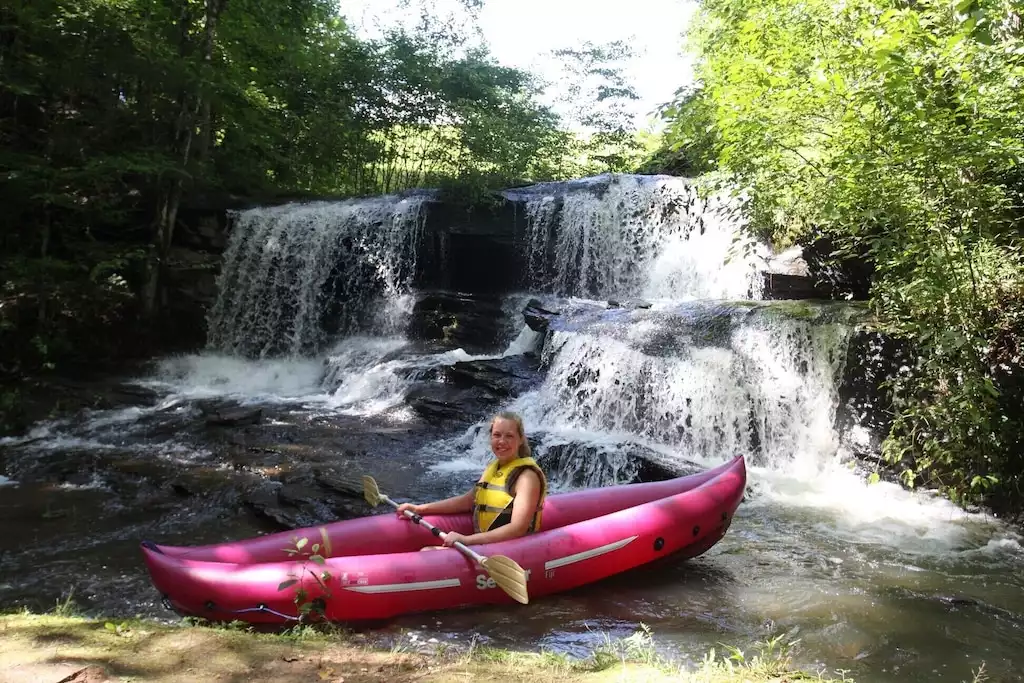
(629, 304)
(502, 377)
(141, 468)
(957, 601)
(457, 320)
(864, 417)
(203, 231)
(295, 505)
(782, 286)
(234, 417)
(264, 502)
(538, 318)
(583, 465)
(469, 244)
(133, 394)
(337, 483)
(788, 277)
(436, 401)
(299, 495)
(813, 271)
(847, 277)
(474, 388)
(200, 482)
(78, 478)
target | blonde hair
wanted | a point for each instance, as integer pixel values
(524, 446)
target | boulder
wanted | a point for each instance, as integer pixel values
(501, 377)
(538, 318)
(587, 465)
(434, 401)
(475, 323)
(301, 503)
(233, 417)
(864, 417)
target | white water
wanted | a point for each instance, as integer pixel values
(293, 272)
(4, 481)
(767, 387)
(360, 376)
(650, 237)
(217, 375)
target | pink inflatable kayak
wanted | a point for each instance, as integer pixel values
(376, 570)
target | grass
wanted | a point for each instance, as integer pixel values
(60, 644)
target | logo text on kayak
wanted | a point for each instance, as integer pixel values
(483, 581)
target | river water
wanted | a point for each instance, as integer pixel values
(868, 578)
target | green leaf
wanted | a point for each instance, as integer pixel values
(287, 584)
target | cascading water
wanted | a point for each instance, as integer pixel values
(637, 236)
(727, 381)
(297, 274)
(697, 382)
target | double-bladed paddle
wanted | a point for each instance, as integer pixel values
(506, 572)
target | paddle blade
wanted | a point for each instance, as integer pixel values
(370, 491)
(508, 575)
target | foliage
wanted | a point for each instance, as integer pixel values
(690, 144)
(309, 597)
(597, 94)
(894, 129)
(115, 114)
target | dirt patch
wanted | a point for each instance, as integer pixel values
(50, 649)
(44, 650)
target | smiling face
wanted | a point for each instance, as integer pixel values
(505, 439)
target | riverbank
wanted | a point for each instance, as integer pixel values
(45, 648)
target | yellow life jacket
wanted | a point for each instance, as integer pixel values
(492, 504)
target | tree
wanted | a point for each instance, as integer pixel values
(597, 95)
(112, 114)
(690, 144)
(894, 129)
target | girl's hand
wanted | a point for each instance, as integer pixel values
(415, 509)
(452, 536)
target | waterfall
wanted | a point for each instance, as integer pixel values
(624, 236)
(689, 382)
(296, 275)
(705, 383)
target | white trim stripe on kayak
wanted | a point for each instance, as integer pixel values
(400, 587)
(587, 554)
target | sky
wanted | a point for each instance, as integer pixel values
(522, 33)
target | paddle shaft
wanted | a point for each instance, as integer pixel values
(434, 530)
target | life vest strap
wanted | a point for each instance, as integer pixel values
(491, 508)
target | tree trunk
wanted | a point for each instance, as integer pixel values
(213, 10)
(193, 106)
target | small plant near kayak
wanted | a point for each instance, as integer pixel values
(66, 605)
(310, 608)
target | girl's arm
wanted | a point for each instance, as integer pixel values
(448, 506)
